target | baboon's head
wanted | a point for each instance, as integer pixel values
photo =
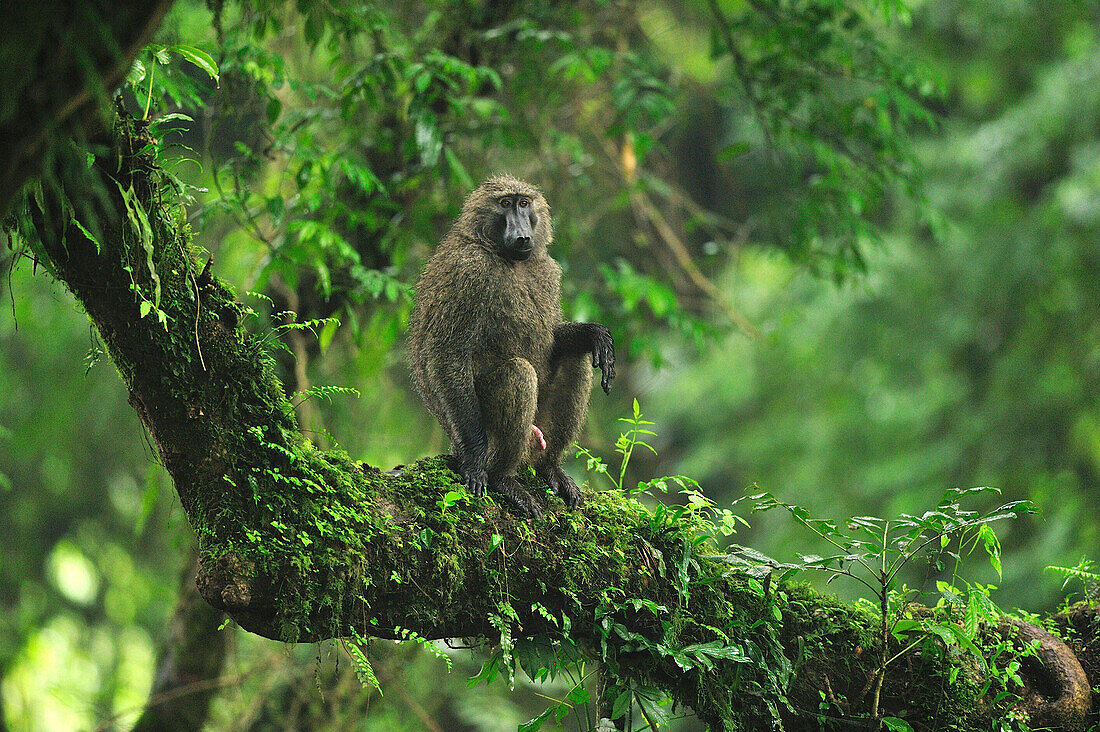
(510, 216)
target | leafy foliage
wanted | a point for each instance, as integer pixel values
(873, 551)
(344, 159)
(363, 669)
(1085, 573)
(829, 98)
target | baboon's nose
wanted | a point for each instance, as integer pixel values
(518, 248)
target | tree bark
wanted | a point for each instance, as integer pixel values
(299, 544)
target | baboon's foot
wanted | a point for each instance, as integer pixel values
(559, 481)
(520, 500)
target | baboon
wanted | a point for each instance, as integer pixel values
(491, 357)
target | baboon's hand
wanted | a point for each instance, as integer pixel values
(603, 355)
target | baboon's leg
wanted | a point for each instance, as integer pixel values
(508, 397)
(562, 406)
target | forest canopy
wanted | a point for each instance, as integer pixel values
(847, 251)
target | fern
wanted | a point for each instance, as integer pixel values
(411, 635)
(323, 392)
(363, 670)
(1083, 572)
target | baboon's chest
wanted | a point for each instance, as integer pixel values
(523, 306)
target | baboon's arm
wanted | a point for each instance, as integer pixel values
(576, 338)
(453, 384)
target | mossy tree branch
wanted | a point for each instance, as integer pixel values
(298, 544)
(59, 59)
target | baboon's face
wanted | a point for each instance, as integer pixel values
(514, 226)
(510, 216)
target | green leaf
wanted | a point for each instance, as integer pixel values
(450, 498)
(718, 649)
(621, 704)
(943, 634)
(199, 58)
(90, 236)
(992, 546)
(654, 705)
(533, 725)
(896, 725)
(174, 116)
(970, 616)
(578, 695)
(363, 669)
(904, 626)
(494, 542)
(136, 74)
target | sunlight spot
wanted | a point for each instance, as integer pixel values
(72, 573)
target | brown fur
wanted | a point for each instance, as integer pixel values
(490, 354)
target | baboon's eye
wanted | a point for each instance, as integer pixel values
(506, 202)
(524, 203)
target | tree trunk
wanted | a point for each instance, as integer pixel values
(189, 665)
(61, 61)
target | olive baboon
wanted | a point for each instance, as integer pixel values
(491, 357)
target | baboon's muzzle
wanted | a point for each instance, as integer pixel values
(517, 241)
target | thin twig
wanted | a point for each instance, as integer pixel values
(420, 712)
(683, 257)
(180, 691)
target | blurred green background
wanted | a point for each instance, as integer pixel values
(848, 252)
